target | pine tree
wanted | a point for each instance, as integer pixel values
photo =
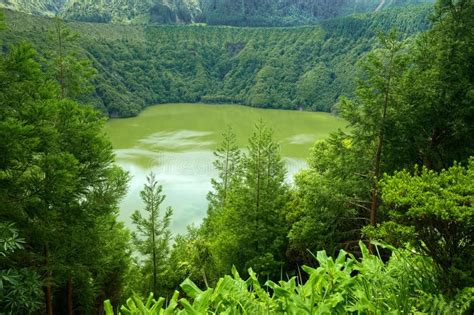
(2, 25)
(153, 237)
(74, 74)
(227, 165)
(250, 233)
(377, 98)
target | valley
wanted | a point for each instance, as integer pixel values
(305, 68)
(236, 157)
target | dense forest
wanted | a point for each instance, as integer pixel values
(381, 220)
(213, 12)
(288, 68)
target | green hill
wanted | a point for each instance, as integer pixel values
(216, 12)
(303, 67)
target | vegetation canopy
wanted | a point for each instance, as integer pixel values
(379, 221)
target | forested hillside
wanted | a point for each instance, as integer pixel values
(307, 67)
(225, 12)
(285, 13)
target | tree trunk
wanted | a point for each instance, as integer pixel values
(153, 210)
(69, 296)
(61, 58)
(226, 174)
(378, 155)
(374, 202)
(47, 289)
(154, 263)
(257, 197)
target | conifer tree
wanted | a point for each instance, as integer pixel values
(249, 232)
(57, 182)
(2, 25)
(227, 165)
(377, 98)
(73, 73)
(153, 237)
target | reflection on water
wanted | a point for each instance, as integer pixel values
(301, 139)
(186, 180)
(185, 188)
(176, 141)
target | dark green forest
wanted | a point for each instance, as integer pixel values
(381, 221)
(290, 68)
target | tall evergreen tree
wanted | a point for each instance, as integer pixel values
(153, 237)
(378, 95)
(57, 181)
(2, 25)
(227, 165)
(73, 74)
(250, 232)
(438, 92)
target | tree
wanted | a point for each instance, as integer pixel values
(153, 237)
(314, 88)
(113, 261)
(435, 125)
(434, 213)
(264, 176)
(331, 200)
(57, 179)
(249, 231)
(377, 98)
(227, 165)
(2, 17)
(73, 74)
(191, 258)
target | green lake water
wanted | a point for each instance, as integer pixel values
(176, 142)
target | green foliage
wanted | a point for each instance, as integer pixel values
(438, 94)
(2, 24)
(20, 288)
(192, 257)
(20, 291)
(400, 117)
(244, 231)
(330, 201)
(437, 303)
(434, 212)
(153, 237)
(226, 12)
(9, 239)
(289, 68)
(339, 285)
(57, 183)
(227, 164)
(73, 75)
(286, 13)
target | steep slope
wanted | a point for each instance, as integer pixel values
(289, 12)
(215, 12)
(133, 11)
(302, 67)
(118, 11)
(36, 7)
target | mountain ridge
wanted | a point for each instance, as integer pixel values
(214, 12)
(306, 67)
